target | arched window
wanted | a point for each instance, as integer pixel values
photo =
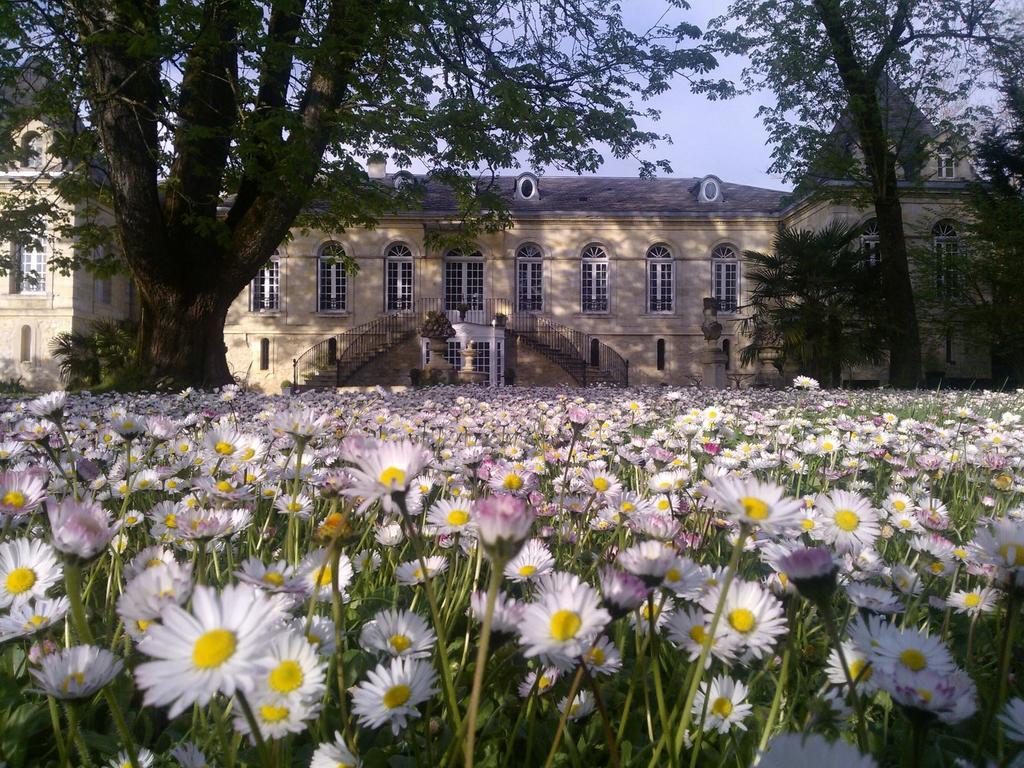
(659, 279)
(594, 279)
(595, 353)
(31, 261)
(661, 354)
(26, 344)
(398, 295)
(946, 245)
(265, 290)
(32, 151)
(463, 280)
(264, 354)
(869, 247)
(332, 281)
(725, 277)
(727, 348)
(529, 278)
(332, 350)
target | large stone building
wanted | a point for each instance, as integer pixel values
(595, 276)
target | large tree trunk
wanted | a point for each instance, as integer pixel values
(182, 336)
(897, 293)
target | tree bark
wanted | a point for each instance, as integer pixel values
(898, 297)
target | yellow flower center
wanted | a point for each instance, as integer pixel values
(913, 660)
(742, 620)
(35, 621)
(673, 574)
(20, 580)
(906, 523)
(273, 578)
(273, 714)
(142, 624)
(213, 648)
(972, 600)
(755, 509)
(1012, 555)
(527, 570)
(225, 486)
(847, 519)
(544, 682)
(392, 477)
(458, 517)
(323, 576)
(513, 482)
(860, 670)
(74, 677)
(565, 624)
(899, 505)
(224, 448)
(807, 524)
(286, 676)
(396, 696)
(294, 506)
(697, 634)
(722, 706)
(400, 643)
(596, 656)
(14, 499)
(601, 484)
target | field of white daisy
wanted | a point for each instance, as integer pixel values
(506, 578)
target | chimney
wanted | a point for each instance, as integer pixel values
(377, 165)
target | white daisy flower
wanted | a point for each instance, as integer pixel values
(146, 759)
(413, 572)
(399, 633)
(77, 672)
(391, 693)
(508, 612)
(383, 469)
(539, 682)
(726, 704)
(888, 646)
(648, 560)
(451, 516)
(859, 664)
(295, 669)
(973, 601)
(581, 707)
(757, 503)
(848, 521)
(316, 573)
(750, 614)
(1012, 718)
(276, 716)
(603, 658)
(688, 628)
(28, 568)
(533, 561)
(334, 754)
(221, 645)
(27, 618)
(188, 755)
(809, 750)
(563, 622)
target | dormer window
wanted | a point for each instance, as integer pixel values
(947, 167)
(404, 180)
(526, 187)
(32, 151)
(710, 190)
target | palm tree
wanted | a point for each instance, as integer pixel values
(816, 298)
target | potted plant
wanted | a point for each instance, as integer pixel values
(463, 308)
(500, 319)
(286, 387)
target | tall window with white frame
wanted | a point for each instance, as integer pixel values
(725, 277)
(947, 167)
(946, 245)
(869, 243)
(594, 279)
(398, 287)
(265, 290)
(32, 151)
(659, 279)
(30, 276)
(529, 278)
(332, 281)
(463, 280)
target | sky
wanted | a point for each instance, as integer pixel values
(720, 137)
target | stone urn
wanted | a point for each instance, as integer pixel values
(437, 329)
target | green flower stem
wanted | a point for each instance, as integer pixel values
(257, 735)
(57, 734)
(773, 712)
(75, 735)
(122, 726)
(698, 670)
(573, 689)
(613, 747)
(73, 586)
(1006, 655)
(444, 662)
(825, 606)
(659, 690)
(339, 640)
(497, 566)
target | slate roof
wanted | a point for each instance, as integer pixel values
(586, 195)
